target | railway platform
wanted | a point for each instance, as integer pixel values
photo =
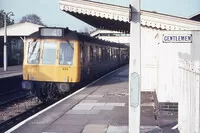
(11, 71)
(10, 80)
(101, 107)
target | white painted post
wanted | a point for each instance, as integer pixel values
(5, 40)
(5, 45)
(135, 68)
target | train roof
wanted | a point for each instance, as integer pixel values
(74, 35)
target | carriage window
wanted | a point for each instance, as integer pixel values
(33, 52)
(100, 53)
(97, 53)
(108, 53)
(94, 54)
(91, 54)
(66, 53)
(49, 53)
(82, 54)
(114, 55)
(104, 54)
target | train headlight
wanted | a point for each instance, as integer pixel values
(27, 85)
(63, 87)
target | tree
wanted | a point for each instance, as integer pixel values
(86, 30)
(9, 21)
(32, 18)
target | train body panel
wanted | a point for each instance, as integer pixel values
(68, 74)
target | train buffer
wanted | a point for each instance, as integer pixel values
(11, 71)
(99, 108)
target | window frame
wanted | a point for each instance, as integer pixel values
(42, 54)
(59, 47)
(27, 50)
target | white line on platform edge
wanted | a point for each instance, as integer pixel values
(10, 75)
(175, 127)
(46, 109)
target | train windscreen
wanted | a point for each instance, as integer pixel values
(66, 53)
(49, 53)
(33, 52)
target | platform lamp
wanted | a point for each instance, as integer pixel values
(5, 39)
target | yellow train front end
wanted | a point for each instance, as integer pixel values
(51, 66)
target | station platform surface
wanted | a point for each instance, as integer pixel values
(100, 108)
(11, 71)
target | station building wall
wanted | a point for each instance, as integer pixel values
(160, 62)
(170, 55)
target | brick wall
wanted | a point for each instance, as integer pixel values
(168, 108)
(165, 108)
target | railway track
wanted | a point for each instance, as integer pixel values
(14, 112)
(12, 96)
(13, 91)
(13, 105)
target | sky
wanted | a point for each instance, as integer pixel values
(51, 15)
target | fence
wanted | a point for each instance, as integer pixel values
(189, 103)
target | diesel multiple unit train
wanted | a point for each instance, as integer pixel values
(55, 59)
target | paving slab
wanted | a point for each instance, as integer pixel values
(79, 96)
(117, 129)
(91, 104)
(89, 101)
(64, 120)
(45, 119)
(83, 112)
(103, 108)
(83, 107)
(115, 104)
(95, 128)
(62, 128)
(150, 129)
(96, 96)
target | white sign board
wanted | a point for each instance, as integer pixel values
(187, 38)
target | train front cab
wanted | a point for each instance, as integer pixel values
(50, 66)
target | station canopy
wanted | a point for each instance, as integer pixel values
(113, 17)
(20, 29)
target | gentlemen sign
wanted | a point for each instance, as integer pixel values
(177, 38)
